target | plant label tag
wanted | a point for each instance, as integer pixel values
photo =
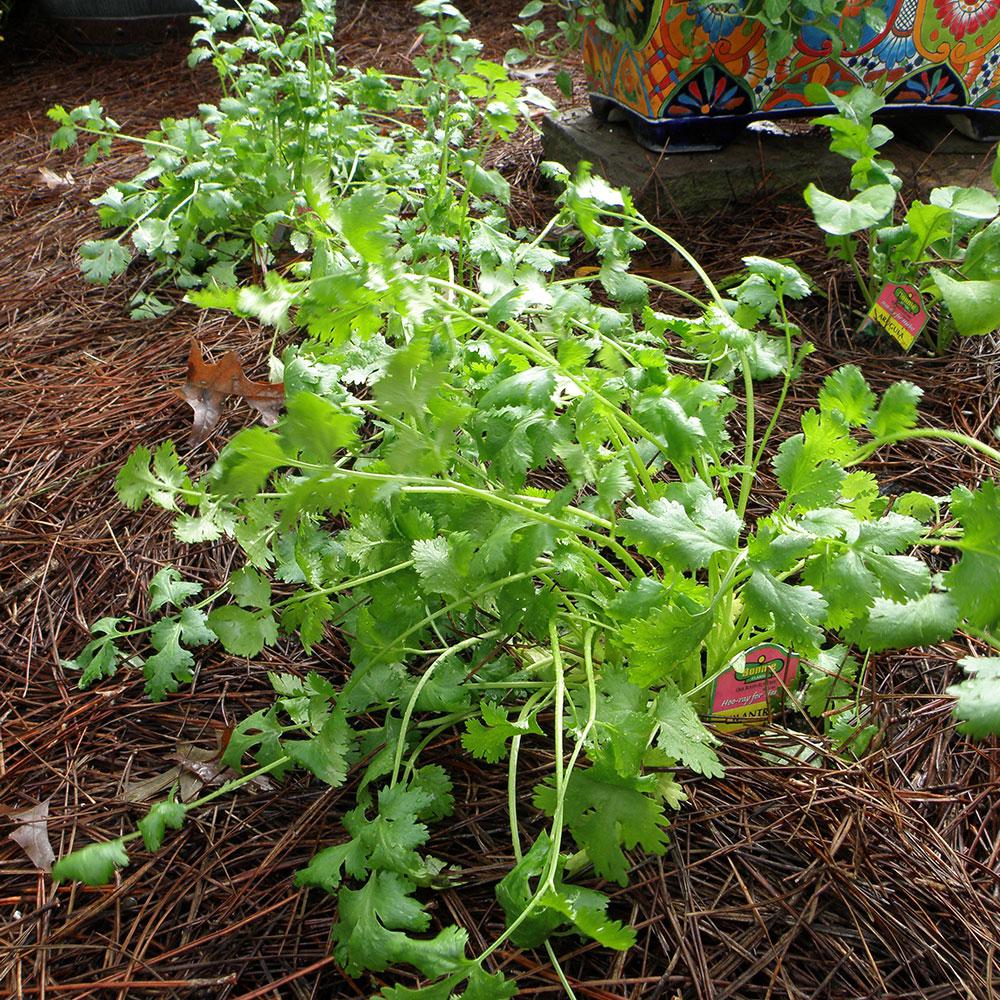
(752, 687)
(899, 310)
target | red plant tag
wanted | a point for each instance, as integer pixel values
(899, 310)
(752, 686)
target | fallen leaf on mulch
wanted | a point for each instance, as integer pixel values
(534, 73)
(208, 385)
(677, 270)
(197, 768)
(32, 835)
(53, 180)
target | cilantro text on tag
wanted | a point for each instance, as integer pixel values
(899, 311)
(752, 687)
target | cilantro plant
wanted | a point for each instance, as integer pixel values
(533, 527)
(218, 185)
(948, 247)
(530, 503)
(226, 187)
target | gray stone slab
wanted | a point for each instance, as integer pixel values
(777, 162)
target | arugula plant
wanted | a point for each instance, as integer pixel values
(528, 502)
(948, 247)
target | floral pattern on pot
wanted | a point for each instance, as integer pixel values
(704, 63)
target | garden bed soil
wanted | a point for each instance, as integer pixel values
(875, 878)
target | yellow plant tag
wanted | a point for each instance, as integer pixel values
(899, 311)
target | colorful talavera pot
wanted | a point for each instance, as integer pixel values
(681, 87)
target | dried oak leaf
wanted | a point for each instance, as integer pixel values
(190, 758)
(267, 398)
(53, 180)
(32, 835)
(208, 385)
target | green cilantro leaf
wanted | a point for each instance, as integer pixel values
(433, 785)
(973, 580)
(371, 930)
(667, 533)
(683, 736)
(807, 477)
(586, 910)
(660, 644)
(483, 986)
(606, 813)
(978, 696)
(241, 632)
(246, 462)
(99, 658)
(325, 754)
(161, 482)
(167, 587)
(94, 864)
(583, 909)
(316, 428)
(897, 410)
(262, 731)
(102, 260)
(165, 815)
(782, 274)
(890, 625)
(250, 588)
(444, 563)
(171, 665)
(846, 392)
(796, 612)
(194, 631)
(488, 739)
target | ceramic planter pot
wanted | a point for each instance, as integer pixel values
(935, 55)
(118, 9)
(122, 27)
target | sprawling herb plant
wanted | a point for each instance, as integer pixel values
(948, 247)
(529, 503)
(227, 186)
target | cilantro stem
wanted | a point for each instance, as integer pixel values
(538, 352)
(420, 484)
(230, 786)
(548, 882)
(643, 483)
(931, 433)
(790, 358)
(415, 695)
(528, 708)
(511, 685)
(644, 223)
(356, 581)
(666, 286)
(467, 599)
(673, 289)
(128, 138)
(563, 981)
(749, 469)
(239, 782)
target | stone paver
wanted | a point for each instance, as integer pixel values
(766, 161)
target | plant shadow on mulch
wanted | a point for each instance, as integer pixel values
(868, 879)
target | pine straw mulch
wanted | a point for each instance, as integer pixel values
(869, 879)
